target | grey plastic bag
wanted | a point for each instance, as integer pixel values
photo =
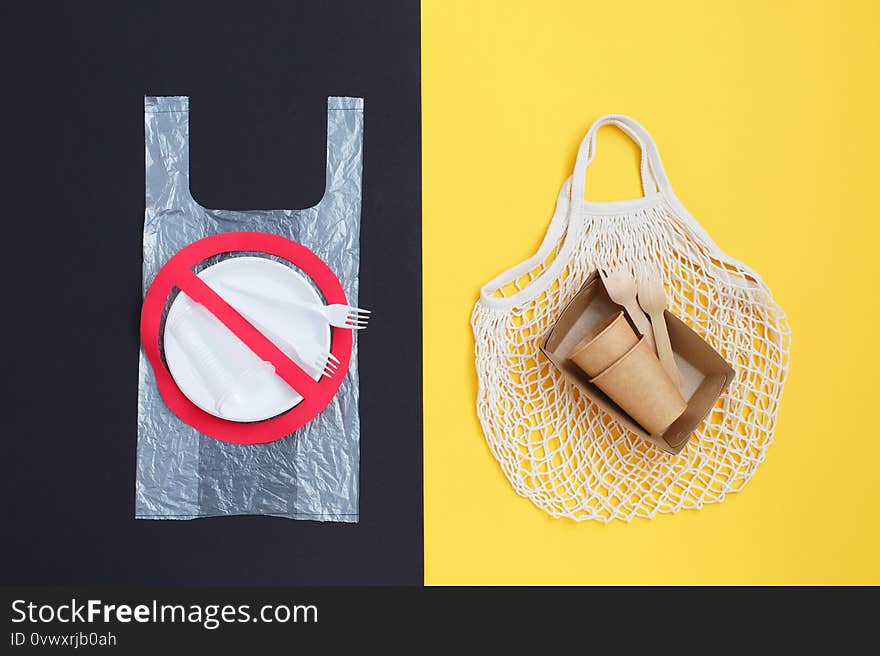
(313, 473)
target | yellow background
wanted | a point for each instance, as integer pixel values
(766, 115)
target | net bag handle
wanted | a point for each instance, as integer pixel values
(569, 217)
(651, 168)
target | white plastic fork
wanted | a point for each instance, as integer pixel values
(337, 315)
(340, 315)
(324, 362)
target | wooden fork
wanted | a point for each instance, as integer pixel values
(652, 298)
(622, 289)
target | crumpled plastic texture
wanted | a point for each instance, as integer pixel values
(313, 473)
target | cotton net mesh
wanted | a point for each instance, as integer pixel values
(564, 453)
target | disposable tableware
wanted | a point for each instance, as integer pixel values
(226, 367)
(604, 345)
(638, 384)
(337, 315)
(322, 361)
(621, 287)
(652, 298)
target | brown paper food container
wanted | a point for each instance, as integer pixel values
(638, 383)
(706, 374)
(605, 345)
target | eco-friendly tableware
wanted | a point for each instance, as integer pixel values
(640, 386)
(706, 374)
(652, 299)
(622, 289)
(720, 446)
(604, 345)
(337, 315)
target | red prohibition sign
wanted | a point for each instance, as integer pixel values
(178, 272)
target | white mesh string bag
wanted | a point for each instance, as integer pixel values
(557, 447)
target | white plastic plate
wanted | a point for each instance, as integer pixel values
(276, 289)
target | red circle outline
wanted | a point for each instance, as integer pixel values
(319, 394)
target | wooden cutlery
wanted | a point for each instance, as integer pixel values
(645, 297)
(652, 299)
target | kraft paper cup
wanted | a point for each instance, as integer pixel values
(640, 386)
(605, 345)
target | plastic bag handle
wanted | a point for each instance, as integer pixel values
(652, 172)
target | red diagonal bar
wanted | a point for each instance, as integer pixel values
(199, 291)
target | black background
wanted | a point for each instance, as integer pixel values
(258, 75)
